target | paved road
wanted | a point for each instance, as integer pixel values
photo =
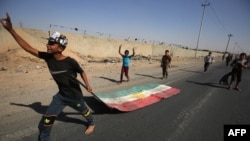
(198, 113)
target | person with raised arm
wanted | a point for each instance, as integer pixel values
(64, 70)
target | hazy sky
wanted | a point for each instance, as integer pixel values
(170, 21)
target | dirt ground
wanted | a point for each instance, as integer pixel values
(27, 83)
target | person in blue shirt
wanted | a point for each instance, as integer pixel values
(125, 63)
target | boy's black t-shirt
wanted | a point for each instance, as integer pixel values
(165, 60)
(64, 72)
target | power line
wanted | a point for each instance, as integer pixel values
(217, 18)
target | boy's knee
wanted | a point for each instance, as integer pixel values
(87, 113)
(47, 120)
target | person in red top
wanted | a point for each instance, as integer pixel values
(64, 71)
(165, 64)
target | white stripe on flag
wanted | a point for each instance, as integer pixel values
(136, 95)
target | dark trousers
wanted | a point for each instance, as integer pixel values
(236, 75)
(206, 65)
(124, 70)
(55, 108)
(164, 71)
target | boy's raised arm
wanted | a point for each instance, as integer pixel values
(120, 50)
(6, 23)
(133, 52)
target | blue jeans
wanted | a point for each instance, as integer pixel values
(55, 108)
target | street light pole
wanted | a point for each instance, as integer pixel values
(204, 6)
(229, 36)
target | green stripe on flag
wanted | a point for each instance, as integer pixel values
(132, 90)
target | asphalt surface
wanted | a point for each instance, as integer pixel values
(197, 113)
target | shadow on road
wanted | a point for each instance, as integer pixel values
(216, 85)
(186, 70)
(146, 75)
(96, 106)
(41, 109)
(99, 107)
(112, 80)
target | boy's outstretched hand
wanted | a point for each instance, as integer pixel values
(6, 22)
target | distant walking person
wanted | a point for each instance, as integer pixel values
(125, 63)
(238, 65)
(207, 61)
(228, 59)
(165, 64)
(248, 61)
(64, 71)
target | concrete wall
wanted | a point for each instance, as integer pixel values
(95, 46)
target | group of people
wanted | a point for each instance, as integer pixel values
(165, 64)
(64, 71)
(238, 64)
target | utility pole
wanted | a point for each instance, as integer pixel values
(235, 44)
(229, 36)
(204, 6)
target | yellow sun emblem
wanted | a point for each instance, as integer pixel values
(139, 95)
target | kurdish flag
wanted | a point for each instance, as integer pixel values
(137, 97)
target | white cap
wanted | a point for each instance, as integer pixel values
(58, 38)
